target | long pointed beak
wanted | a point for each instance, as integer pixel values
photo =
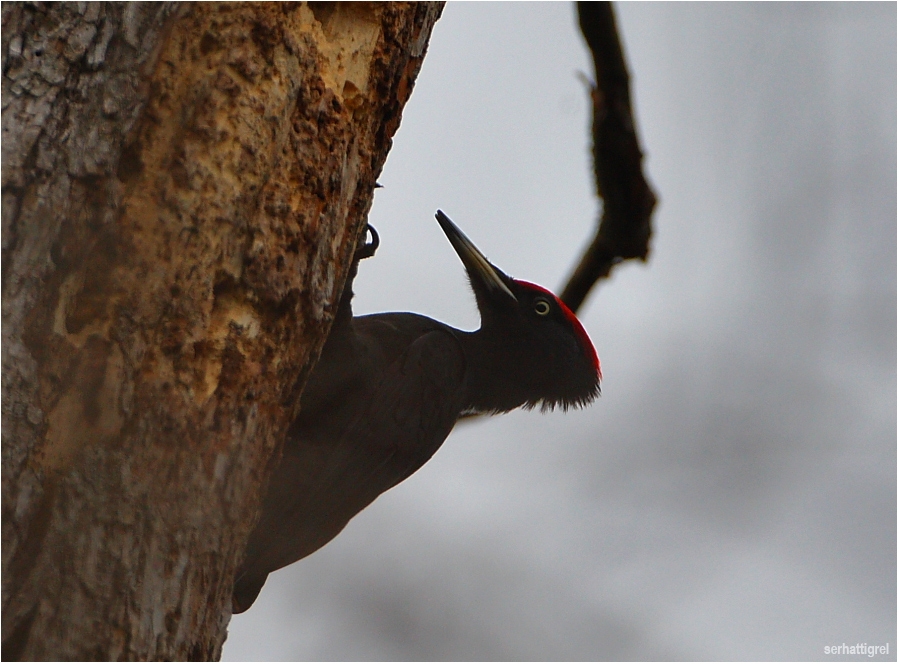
(475, 262)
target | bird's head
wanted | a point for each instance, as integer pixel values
(537, 351)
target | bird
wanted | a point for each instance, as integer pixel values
(387, 390)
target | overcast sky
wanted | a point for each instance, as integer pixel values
(732, 495)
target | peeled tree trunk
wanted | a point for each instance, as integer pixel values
(183, 188)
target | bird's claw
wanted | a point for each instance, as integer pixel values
(368, 249)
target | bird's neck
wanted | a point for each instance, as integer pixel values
(492, 383)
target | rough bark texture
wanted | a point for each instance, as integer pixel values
(183, 187)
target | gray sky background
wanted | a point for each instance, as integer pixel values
(732, 495)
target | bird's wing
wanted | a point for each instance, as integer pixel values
(406, 419)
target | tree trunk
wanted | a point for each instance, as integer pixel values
(183, 188)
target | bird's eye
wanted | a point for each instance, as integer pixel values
(541, 306)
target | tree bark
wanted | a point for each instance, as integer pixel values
(183, 187)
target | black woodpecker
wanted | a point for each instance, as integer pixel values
(388, 389)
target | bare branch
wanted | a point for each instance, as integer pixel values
(628, 201)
